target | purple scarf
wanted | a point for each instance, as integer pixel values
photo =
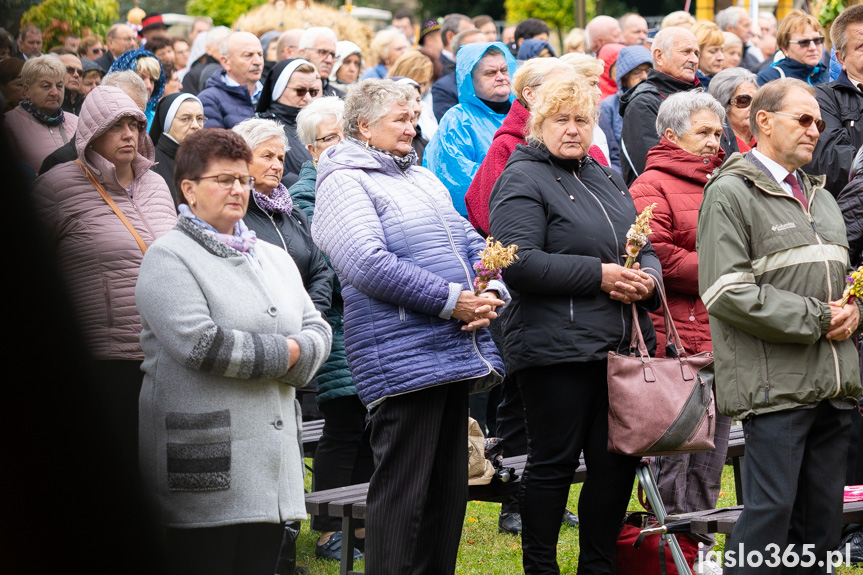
(279, 200)
(243, 239)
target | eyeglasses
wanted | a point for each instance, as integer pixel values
(323, 53)
(97, 50)
(741, 101)
(185, 120)
(226, 181)
(73, 70)
(806, 43)
(806, 120)
(301, 92)
(330, 138)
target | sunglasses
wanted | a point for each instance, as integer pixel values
(741, 101)
(73, 70)
(97, 50)
(806, 120)
(301, 92)
(806, 43)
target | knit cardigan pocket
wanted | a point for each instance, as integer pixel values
(199, 450)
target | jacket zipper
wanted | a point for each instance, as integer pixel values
(829, 298)
(463, 265)
(616, 248)
(272, 221)
(827, 279)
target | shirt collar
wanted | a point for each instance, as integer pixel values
(259, 86)
(776, 170)
(857, 82)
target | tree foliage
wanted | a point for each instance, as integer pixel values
(223, 12)
(58, 18)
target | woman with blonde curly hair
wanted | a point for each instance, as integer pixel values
(569, 217)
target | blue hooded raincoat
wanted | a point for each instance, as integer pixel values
(467, 129)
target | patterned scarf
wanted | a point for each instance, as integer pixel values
(403, 163)
(279, 200)
(42, 117)
(243, 239)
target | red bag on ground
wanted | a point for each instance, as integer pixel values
(643, 557)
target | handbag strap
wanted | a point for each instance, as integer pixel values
(637, 339)
(113, 206)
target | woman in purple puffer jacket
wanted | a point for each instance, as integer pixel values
(414, 330)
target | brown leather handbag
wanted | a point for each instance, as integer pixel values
(660, 406)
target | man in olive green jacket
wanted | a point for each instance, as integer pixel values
(773, 261)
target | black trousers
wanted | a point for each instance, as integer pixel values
(344, 454)
(418, 492)
(510, 428)
(244, 549)
(793, 478)
(566, 408)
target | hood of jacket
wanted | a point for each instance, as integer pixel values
(531, 48)
(658, 83)
(468, 57)
(608, 56)
(669, 158)
(102, 108)
(348, 155)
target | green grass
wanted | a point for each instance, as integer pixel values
(484, 551)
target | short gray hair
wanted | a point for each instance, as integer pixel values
(129, 82)
(729, 17)
(217, 35)
(48, 65)
(311, 35)
(320, 110)
(725, 83)
(371, 100)
(256, 131)
(839, 29)
(676, 111)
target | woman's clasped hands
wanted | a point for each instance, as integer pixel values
(627, 285)
(476, 311)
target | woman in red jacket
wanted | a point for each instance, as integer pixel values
(690, 126)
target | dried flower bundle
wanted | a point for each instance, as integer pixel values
(493, 259)
(636, 237)
(853, 287)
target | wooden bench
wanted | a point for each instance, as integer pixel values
(723, 520)
(312, 431)
(349, 502)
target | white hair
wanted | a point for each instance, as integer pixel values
(311, 35)
(370, 101)
(729, 17)
(665, 39)
(725, 83)
(256, 131)
(676, 111)
(320, 110)
(215, 37)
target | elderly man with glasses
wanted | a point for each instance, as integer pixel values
(772, 262)
(318, 46)
(72, 96)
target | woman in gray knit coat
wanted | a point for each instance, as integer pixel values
(228, 334)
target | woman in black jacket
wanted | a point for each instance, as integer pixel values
(569, 217)
(272, 213)
(177, 116)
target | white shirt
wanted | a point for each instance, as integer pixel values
(776, 170)
(259, 87)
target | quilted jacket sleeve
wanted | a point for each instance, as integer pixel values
(679, 265)
(728, 288)
(348, 229)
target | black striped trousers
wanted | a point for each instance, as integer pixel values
(418, 491)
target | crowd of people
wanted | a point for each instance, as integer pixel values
(237, 217)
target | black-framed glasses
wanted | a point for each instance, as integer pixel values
(741, 101)
(73, 70)
(330, 139)
(97, 50)
(806, 120)
(226, 181)
(323, 53)
(807, 42)
(301, 92)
